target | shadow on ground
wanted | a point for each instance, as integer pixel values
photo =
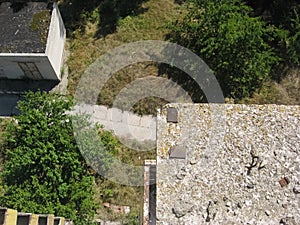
(11, 91)
(76, 14)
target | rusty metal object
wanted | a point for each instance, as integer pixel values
(284, 182)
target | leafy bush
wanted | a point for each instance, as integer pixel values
(288, 39)
(230, 41)
(44, 171)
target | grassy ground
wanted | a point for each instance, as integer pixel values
(285, 92)
(85, 47)
(119, 195)
(3, 127)
(149, 25)
(108, 191)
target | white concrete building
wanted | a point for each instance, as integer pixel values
(22, 53)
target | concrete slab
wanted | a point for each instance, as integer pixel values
(146, 121)
(142, 134)
(133, 119)
(124, 124)
(8, 104)
(114, 115)
(100, 112)
(125, 116)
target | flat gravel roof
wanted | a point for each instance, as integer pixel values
(16, 35)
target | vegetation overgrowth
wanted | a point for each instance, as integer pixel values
(40, 23)
(252, 47)
(147, 22)
(44, 170)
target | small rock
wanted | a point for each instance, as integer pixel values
(181, 209)
(250, 186)
(289, 220)
(248, 202)
(228, 204)
(296, 189)
(267, 212)
(282, 221)
(180, 176)
(193, 161)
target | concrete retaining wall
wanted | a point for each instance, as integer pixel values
(27, 218)
(8, 216)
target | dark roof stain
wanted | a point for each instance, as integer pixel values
(16, 35)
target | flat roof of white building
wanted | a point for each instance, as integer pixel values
(23, 25)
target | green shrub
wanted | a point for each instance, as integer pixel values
(44, 171)
(230, 41)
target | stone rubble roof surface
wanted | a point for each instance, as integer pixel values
(242, 165)
(16, 35)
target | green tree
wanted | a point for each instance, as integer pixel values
(44, 171)
(230, 41)
(283, 16)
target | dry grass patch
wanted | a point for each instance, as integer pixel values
(286, 92)
(149, 25)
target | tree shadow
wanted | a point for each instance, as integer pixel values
(183, 80)
(259, 6)
(180, 2)
(11, 91)
(17, 6)
(76, 14)
(111, 11)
